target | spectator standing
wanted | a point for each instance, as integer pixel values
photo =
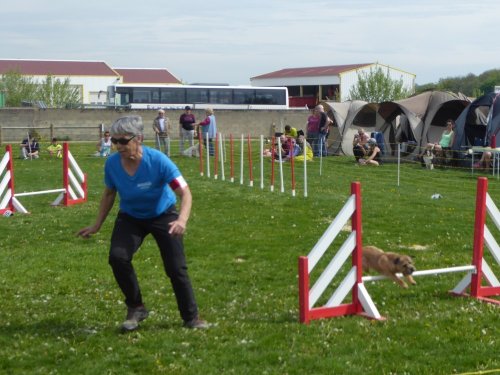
(324, 128)
(161, 127)
(186, 129)
(312, 129)
(209, 126)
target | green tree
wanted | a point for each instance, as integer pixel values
(17, 88)
(57, 94)
(54, 93)
(376, 87)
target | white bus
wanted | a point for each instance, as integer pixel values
(197, 96)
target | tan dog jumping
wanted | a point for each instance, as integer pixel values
(389, 264)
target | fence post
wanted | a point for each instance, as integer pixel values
(51, 131)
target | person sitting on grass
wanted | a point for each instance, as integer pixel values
(29, 148)
(55, 149)
(301, 141)
(290, 132)
(104, 145)
(373, 154)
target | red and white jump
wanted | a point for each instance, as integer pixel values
(74, 180)
(361, 302)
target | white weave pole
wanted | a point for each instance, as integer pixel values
(241, 159)
(262, 161)
(221, 155)
(305, 167)
(208, 155)
(320, 156)
(29, 146)
(281, 166)
(399, 160)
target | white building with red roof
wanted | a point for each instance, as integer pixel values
(310, 85)
(92, 78)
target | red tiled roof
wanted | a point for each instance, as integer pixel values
(311, 71)
(57, 67)
(159, 76)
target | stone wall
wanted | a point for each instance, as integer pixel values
(84, 125)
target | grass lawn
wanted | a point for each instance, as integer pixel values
(61, 307)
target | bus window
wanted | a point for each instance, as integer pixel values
(221, 96)
(243, 96)
(174, 95)
(269, 97)
(197, 95)
(141, 96)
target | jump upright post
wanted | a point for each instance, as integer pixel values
(74, 188)
(361, 303)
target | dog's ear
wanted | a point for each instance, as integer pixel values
(396, 261)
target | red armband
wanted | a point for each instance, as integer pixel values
(178, 182)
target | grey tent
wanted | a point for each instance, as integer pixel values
(340, 113)
(493, 126)
(470, 126)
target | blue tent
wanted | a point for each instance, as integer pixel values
(493, 126)
(470, 126)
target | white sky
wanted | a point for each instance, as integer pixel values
(229, 41)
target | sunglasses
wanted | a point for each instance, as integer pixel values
(122, 141)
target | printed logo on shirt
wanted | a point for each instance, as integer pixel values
(144, 185)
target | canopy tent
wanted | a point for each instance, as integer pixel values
(470, 126)
(340, 113)
(407, 126)
(493, 126)
(442, 106)
(415, 120)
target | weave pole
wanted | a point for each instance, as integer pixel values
(272, 163)
(241, 158)
(250, 166)
(280, 159)
(200, 148)
(207, 147)
(222, 158)
(231, 156)
(262, 161)
(305, 168)
(292, 166)
(216, 157)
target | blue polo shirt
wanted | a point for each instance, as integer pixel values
(146, 194)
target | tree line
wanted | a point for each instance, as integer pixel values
(470, 85)
(377, 86)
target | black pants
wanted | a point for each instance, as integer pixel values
(128, 235)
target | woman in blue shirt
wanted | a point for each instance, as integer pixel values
(147, 182)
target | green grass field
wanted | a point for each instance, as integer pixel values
(61, 308)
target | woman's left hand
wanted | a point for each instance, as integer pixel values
(177, 227)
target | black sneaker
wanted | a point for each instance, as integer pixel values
(134, 316)
(196, 323)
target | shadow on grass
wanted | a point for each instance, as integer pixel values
(54, 328)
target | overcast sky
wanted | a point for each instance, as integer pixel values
(230, 41)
